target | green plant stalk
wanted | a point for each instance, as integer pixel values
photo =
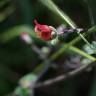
(66, 46)
(14, 32)
(92, 13)
(7, 36)
(50, 5)
(63, 49)
(74, 49)
(69, 45)
(74, 41)
(77, 50)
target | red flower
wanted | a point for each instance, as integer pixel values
(43, 31)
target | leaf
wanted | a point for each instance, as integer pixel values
(56, 10)
(28, 80)
(26, 84)
(59, 12)
(14, 32)
(7, 10)
(19, 91)
(3, 2)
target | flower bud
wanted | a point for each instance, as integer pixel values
(44, 32)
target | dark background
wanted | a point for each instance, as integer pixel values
(18, 59)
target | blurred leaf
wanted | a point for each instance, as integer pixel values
(28, 80)
(26, 83)
(7, 12)
(19, 91)
(59, 12)
(65, 18)
(92, 6)
(14, 32)
(3, 2)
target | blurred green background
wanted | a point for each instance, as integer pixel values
(18, 59)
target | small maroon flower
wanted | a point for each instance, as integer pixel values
(43, 31)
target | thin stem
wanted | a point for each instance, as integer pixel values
(63, 49)
(77, 50)
(69, 74)
(49, 4)
(74, 41)
(74, 49)
(62, 77)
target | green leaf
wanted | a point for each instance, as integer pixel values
(49, 4)
(28, 80)
(26, 84)
(19, 91)
(14, 32)
(60, 13)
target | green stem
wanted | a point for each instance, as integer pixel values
(77, 50)
(63, 49)
(74, 41)
(55, 55)
(50, 5)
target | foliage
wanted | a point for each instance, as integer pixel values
(38, 67)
